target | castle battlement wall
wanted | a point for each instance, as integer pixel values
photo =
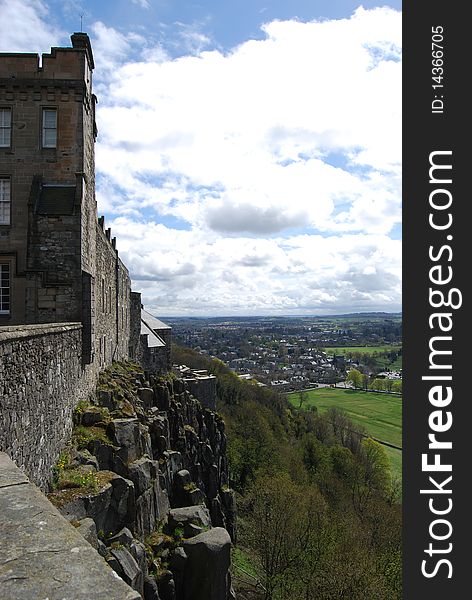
(41, 380)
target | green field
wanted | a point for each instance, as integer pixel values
(361, 349)
(380, 414)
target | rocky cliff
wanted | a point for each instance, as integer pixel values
(145, 479)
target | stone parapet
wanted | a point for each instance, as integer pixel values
(42, 378)
(44, 556)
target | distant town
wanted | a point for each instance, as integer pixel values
(293, 353)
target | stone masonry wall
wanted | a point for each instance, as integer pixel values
(54, 289)
(135, 325)
(26, 88)
(41, 381)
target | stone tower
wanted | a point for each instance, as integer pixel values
(58, 262)
(47, 185)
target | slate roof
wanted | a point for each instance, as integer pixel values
(153, 340)
(152, 322)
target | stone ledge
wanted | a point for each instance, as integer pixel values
(16, 332)
(41, 554)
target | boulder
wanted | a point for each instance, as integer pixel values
(207, 566)
(124, 537)
(88, 530)
(191, 530)
(196, 497)
(216, 513)
(130, 571)
(142, 472)
(105, 398)
(162, 397)
(93, 505)
(102, 549)
(84, 457)
(229, 508)
(197, 515)
(177, 562)
(150, 589)
(173, 464)
(166, 586)
(182, 478)
(122, 511)
(146, 395)
(138, 552)
(213, 486)
(181, 485)
(132, 438)
(146, 513)
(91, 416)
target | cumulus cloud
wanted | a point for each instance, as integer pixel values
(245, 217)
(260, 124)
(299, 132)
(189, 272)
(28, 26)
(279, 160)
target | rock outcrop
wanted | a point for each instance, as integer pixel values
(146, 482)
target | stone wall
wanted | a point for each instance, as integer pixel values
(54, 292)
(123, 310)
(105, 294)
(203, 388)
(135, 325)
(41, 381)
(153, 360)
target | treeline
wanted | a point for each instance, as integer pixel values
(319, 513)
(364, 382)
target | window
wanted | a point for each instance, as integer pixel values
(5, 127)
(49, 127)
(5, 200)
(4, 288)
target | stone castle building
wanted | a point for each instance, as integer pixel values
(58, 262)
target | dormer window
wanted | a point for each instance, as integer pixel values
(49, 127)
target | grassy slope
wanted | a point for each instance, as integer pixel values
(380, 414)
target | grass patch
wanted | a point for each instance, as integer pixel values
(395, 457)
(77, 478)
(242, 561)
(91, 485)
(361, 349)
(82, 436)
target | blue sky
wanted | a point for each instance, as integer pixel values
(249, 152)
(225, 22)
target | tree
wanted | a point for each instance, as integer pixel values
(355, 377)
(397, 386)
(285, 522)
(377, 384)
(302, 396)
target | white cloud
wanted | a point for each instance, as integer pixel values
(260, 125)
(141, 3)
(300, 131)
(27, 26)
(280, 158)
(190, 272)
